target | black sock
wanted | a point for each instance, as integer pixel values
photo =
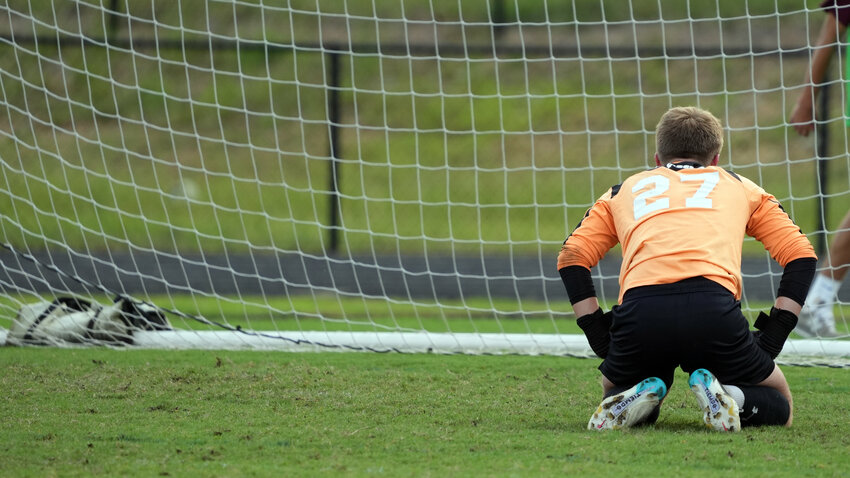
(763, 406)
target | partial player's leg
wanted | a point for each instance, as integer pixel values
(745, 375)
(817, 318)
(838, 259)
(767, 403)
(731, 407)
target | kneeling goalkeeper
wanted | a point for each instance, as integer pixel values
(681, 227)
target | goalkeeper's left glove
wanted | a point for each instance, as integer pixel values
(775, 329)
(597, 329)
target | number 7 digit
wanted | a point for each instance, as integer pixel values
(660, 185)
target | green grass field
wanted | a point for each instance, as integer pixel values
(99, 412)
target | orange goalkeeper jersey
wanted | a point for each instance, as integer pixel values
(683, 221)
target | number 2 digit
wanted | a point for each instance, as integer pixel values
(660, 185)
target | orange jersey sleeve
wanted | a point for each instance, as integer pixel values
(677, 224)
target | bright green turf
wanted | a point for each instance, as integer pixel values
(154, 413)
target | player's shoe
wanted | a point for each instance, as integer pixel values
(816, 320)
(720, 409)
(629, 408)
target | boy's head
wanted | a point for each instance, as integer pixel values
(688, 133)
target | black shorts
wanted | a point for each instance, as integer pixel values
(695, 323)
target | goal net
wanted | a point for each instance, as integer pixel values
(385, 176)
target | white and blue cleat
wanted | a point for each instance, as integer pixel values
(720, 409)
(629, 408)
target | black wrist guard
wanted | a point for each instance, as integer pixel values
(775, 329)
(597, 329)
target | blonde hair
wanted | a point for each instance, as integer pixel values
(688, 132)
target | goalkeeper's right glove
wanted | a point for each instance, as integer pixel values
(774, 330)
(597, 329)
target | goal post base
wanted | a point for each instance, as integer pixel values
(796, 351)
(403, 342)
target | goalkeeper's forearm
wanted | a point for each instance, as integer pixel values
(586, 306)
(593, 322)
(793, 287)
(788, 304)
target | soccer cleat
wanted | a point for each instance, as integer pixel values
(721, 411)
(816, 320)
(628, 408)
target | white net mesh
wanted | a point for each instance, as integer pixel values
(368, 168)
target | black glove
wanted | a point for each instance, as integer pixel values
(597, 329)
(775, 329)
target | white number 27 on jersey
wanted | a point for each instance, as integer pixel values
(660, 184)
